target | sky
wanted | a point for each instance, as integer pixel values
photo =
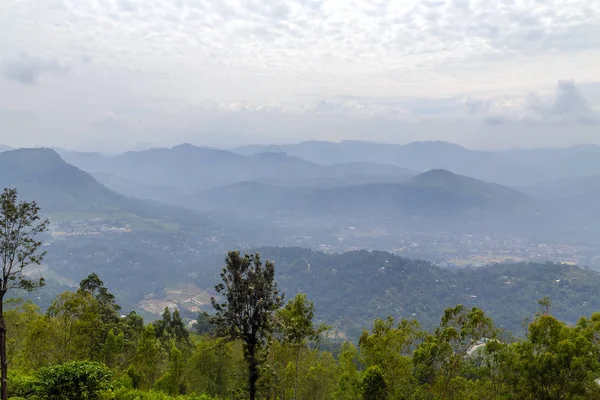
(112, 75)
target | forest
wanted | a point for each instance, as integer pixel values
(83, 348)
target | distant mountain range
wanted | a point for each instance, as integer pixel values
(287, 188)
(190, 168)
(436, 193)
(60, 188)
(512, 167)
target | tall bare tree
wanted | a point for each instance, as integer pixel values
(20, 224)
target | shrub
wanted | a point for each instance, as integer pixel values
(81, 380)
(129, 394)
(20, 385)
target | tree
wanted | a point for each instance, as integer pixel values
(170, 327)
(390, 347)
(557, 361)
(439, 358)
(170, 382)
(109, 309)
(79, 325)
(373, 384)
(20, 225)
(250, 298)
(295, 325)
(203, 325)
(148, 359)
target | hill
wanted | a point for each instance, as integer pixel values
(417, 156)
(65, 191)
(190, 168)
(41, 174)
(558, 163)
(565, 188)
(437, 193)
(353, 288)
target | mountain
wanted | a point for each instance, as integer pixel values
(190, 168)
(565, 188)
(41, 174)
(559, 163)
(418, 156)
(4, 148)
(166, 194)
(61, 189)
(434, 194)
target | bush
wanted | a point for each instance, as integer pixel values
(81, 380)
(129, 394)
(20, 385)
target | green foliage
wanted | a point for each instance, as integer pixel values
(20, 226)
(349, 377)
(250, 299)
(82, 380)
(129, 394)
(55, 355)
(373, 384)
(203, 325)
(295, 327)
(171, 381)
(20, 384)
(390, 348)
(171, 327)
(148, 359)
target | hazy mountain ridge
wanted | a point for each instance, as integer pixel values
(41, 174)
(516, 167)
(436, 193)
(191, 168)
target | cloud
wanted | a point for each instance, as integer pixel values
(566, 105)
(374, 65)
(26, 69)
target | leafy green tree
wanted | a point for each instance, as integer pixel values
(20, 226)
(295, 326)
(349, 378)
(109, 309)
(203, 325)
(149, 358)
(216, 367)
(171, 327)
(390, 348)
(556, 361)
(79, 325)
(373, 384)
(112, 348)
(81, 380)
(171, 381)
(250, 297)
(441, 356)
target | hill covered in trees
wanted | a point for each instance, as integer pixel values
(353, 288)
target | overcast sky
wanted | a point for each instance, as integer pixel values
(117, 74)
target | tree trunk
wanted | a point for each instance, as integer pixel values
(296, 380)
(252, 372)
(3, 358)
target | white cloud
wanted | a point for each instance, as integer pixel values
(382, 63)
(566, 105)
(26, 69)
